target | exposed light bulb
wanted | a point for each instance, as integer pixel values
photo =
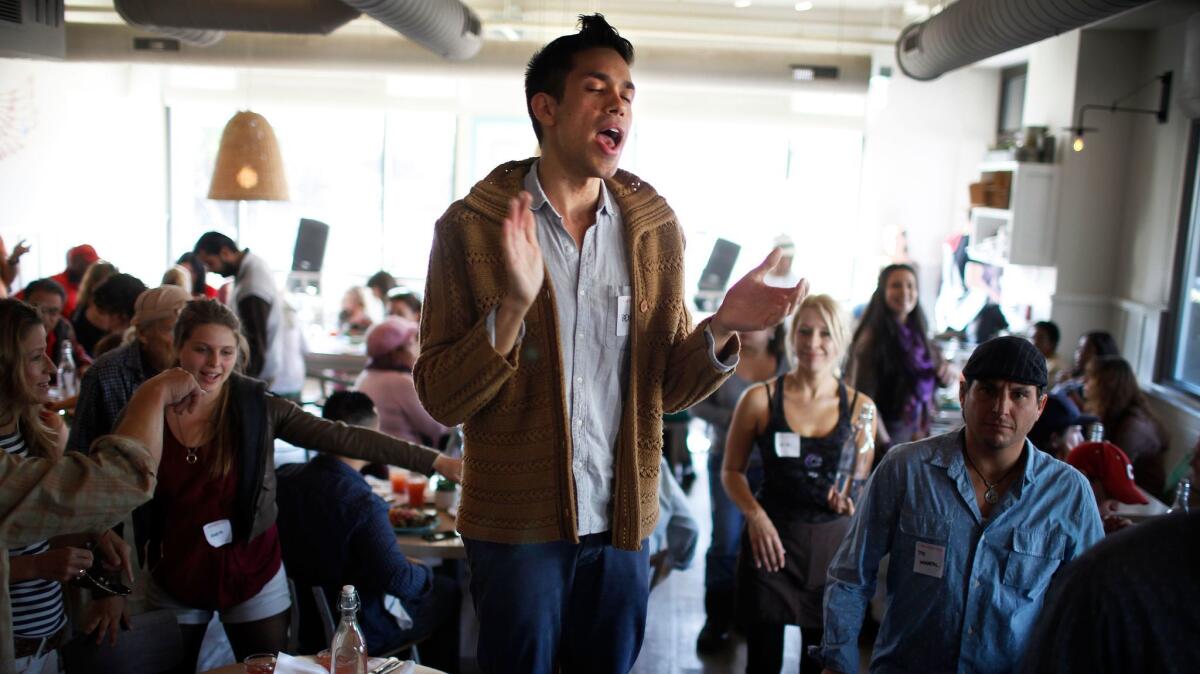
(803, 6)
(741, 4)
(1078, 144)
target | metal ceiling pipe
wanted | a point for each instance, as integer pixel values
(972, 30)
(202, 22)
(448, 28)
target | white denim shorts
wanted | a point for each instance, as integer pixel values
(272, 600)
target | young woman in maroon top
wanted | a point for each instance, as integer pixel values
(212, 541)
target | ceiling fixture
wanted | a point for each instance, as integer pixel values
(741, 4)
(803, 6)
(249, 166)
(1164, 102)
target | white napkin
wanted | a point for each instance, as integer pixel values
(392, 605)
(290, 664)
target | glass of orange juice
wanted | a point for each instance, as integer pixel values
(399, 478)
(416, 490)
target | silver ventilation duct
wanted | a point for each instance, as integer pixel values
(446, 27)
(972, 30)
(202, 22)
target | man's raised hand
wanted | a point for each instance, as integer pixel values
(751, 304)
(522, 254)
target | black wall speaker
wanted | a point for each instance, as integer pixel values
(309, 253)
(720, 265)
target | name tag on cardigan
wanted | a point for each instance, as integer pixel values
(219, 533)
(787, 445)
(623, 315)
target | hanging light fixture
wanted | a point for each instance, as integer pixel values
(249, 166)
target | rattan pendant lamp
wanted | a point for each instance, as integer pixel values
(249, 166)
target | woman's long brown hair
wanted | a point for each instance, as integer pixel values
(195, 314)
(16, 391)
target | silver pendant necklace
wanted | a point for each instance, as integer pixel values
(990, 494)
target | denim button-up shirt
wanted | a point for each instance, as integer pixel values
(962, 592)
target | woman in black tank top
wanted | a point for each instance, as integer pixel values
(799, 422)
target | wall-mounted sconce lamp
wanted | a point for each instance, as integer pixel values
(1164, 101)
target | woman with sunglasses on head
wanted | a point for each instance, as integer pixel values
(799, 422)
(209, 533)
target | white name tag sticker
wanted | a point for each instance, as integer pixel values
(219, 533)
(623, 316)
(930, 560)
(787, 445)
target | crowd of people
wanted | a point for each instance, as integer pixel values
(554, 331)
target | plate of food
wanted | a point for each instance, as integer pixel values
(409, 520)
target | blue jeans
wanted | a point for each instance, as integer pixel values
(560, 606)
(720, 562)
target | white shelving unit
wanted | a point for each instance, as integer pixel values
(1024, 232)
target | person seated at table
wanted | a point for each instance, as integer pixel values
(1110, 473)
(1060, 428)
(1113, 394)
(1092, 345)
(334, 531)
(177, 275)
(47, 296)
(1045, 337)
(200, 289)
(380, 283)
(403, 302)
(353, 319)
(392, 349)
(115, 300)
(112, 379)
(209, 534)
(90, 325)
(36, 564)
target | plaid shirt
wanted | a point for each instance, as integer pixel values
(42, 498)
(106, 387)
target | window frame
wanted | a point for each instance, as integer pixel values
(1187, 250)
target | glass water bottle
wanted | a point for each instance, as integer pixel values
(348, 652)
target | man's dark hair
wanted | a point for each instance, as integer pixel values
(382, 281)
(212, 243)
(46, 285)
(198, 270)
(118, 295)
(1051, 330)
(547, 70)
(352, 407)
(407, 296)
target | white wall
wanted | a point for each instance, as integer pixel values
(922, 150)
(116, 187)
(1119, 200)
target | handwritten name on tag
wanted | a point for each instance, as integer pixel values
(930, 560)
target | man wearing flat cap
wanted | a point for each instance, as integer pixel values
(977, 522)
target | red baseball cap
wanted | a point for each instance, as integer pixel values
(85, 251)
(1106, 462)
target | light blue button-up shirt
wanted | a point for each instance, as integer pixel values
(962, 592)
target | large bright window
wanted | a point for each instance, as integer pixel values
(1184, 369)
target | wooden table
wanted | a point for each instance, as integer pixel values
(414, 545)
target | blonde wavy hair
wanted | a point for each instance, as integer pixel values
(835, 319)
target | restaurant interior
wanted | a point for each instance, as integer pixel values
(1032, 161)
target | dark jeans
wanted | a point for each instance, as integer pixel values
(560, 606)
(720, 562)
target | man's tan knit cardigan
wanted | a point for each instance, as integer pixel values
(517, 481)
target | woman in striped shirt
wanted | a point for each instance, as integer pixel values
(38, 619)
